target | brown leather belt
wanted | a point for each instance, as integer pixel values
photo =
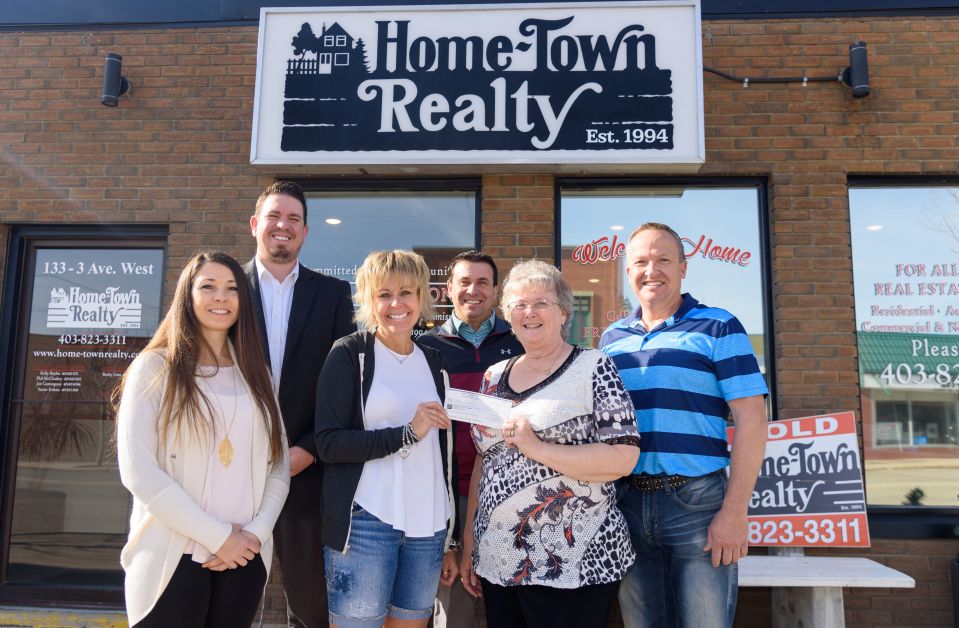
(649, 483)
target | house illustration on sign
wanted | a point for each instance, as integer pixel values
(334, 49)
(320, 85)
(318, 55)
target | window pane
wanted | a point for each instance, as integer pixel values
(91, 311)
(345, 227)
(720, 231)
(905, 268)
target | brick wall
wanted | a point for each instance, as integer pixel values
(929, 604)
(518, 217)
(807, 140)
(177, 153)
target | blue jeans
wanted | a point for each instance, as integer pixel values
(384, 572)
(673, 582)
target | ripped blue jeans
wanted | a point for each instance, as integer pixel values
(384, 572)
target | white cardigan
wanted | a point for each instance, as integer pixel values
(166, 480)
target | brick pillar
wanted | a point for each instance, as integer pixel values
(518, 218)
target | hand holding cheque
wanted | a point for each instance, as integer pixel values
(473, 407)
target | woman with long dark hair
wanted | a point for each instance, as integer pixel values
(201, 448)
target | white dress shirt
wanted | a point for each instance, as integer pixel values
(277, 299)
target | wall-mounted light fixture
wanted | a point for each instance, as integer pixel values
(855, 76)
(114, 85)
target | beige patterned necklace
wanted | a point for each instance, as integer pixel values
(224, 450)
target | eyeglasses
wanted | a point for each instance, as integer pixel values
(538, 306)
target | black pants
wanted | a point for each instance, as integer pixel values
(296, 540)
(535, 606)
(199, 598)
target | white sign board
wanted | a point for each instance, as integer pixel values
(584, 84)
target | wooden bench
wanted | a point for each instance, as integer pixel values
(807, 590)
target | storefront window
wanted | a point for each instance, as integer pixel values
(720, 228)
(905, 247)
(346, 226)
(88, 311)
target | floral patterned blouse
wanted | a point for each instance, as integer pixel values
(533, 524)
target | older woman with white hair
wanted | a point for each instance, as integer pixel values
(545, 544)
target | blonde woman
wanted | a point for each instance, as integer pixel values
(385, 439)
(201, 448)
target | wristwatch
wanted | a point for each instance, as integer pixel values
(456, 545)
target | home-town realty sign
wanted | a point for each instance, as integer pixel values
(562, 83)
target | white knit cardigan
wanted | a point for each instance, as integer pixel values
(167, 479)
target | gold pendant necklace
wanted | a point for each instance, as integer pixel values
(549, 368)
(225, 449)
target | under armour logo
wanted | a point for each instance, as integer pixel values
(506, 352)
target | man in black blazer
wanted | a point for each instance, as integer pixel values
(301, 313)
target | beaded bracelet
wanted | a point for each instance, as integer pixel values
(411, 433)
(409, 439)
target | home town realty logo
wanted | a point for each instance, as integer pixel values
(110, 308)
(527, 81)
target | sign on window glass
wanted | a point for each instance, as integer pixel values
(92, 310)
(905, 246)
(721, 239)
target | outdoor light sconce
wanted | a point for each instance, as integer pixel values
(114, 85)
(855, 76)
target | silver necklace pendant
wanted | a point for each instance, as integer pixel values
(399, 357)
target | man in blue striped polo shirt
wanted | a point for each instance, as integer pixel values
(687, 368)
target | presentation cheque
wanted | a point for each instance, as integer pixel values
(472, 407)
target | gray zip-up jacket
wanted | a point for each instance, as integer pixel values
(344, 444)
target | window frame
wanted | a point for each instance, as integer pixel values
(378, 185)
(903, 522)
(352, 185)
(762, 207)
(14, 321)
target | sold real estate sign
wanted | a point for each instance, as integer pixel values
(810, 488)
(604, 82)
